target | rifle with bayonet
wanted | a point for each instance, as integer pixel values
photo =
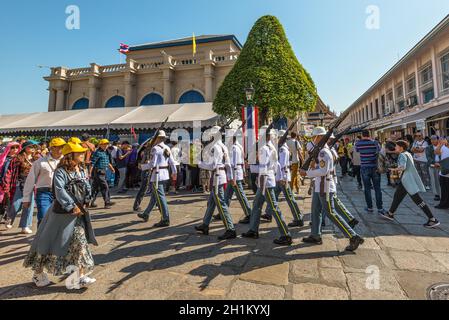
(283, 139)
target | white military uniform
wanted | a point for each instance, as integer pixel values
(217, 161)
(161, 159)
(237, 162)
(284, 162)
(325, 170)
(268, 162)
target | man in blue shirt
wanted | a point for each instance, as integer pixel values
(369, 152)
(101, 160)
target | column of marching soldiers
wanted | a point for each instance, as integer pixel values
(227, 167)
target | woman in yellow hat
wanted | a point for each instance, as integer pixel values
(39, 180)
(64, 235)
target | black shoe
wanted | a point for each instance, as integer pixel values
(138, 209)
(203, 229)
(251, 235)
(245, 220)
(266, 217)
(217, 217)
(93, 205)
(353, 223)
(354, 243)
(283, 241)
(360, 187)
(229, 234)
(296, 224)
(144, 217)
(313, 240)
(162, 224)
(437, 198)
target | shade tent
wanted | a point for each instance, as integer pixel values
(146, 117)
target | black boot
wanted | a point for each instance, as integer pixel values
(294, 224)
(313, 240)
(229, 234)
(266, 217)
(217, 217)
(245, 220)
(354, 243)
(93, 205)
(162, 224)
(144, 217)
(109, 205)
(353, 223)
(203, 229)
(251, 235)
(283, 241)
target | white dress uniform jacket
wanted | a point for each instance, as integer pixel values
(161, 158)
(217, 162)
(324, 169)
(237, 162)
(268, 162)
(284, 161)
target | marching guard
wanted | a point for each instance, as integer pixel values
(323, 196)
(236, 172)
(161, 160)
(268, 160)
(217, 162)
(283, 179)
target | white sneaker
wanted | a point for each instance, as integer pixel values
(41, 280)
(27, 231)
(9, 226)
(86, 281)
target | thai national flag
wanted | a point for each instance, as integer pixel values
(250, 132)
(124, 48)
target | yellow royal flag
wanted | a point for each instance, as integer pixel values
(194, 44)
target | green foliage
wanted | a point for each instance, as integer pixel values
(283, 86)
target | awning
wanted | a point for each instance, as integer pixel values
(146, 117)
(422, 115)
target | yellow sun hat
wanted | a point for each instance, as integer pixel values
(75, 140)
(103, 141)
(73, 148)
(57, 142)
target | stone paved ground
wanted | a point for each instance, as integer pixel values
(135, 261)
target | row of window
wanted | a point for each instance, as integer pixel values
(409, 100)
(152, 99)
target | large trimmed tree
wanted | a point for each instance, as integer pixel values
(283, 86)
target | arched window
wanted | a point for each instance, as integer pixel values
(152, 99)
(191, 96)
(81, 104)
(115, 102)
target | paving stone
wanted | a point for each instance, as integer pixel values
(335, 277)
(407, 243)
(242, 290)
(417, 290)
(435, 244)
(362, 288)
(313, 291)
(303, 270)
(266, 271)
(407, 260)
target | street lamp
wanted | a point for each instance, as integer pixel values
(249, 92)
(321, 116)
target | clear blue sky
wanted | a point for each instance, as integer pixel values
(329, 37)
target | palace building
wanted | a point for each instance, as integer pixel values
(413, 95)
(154, 74)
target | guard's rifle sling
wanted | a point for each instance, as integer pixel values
(317, 148)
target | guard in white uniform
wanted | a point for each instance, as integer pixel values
(216, 163)
(268, 160)
(283, 179)
(339, 206)
(160, 161)
(323, 196)
(235, 182)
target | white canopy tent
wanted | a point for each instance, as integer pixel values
(145, 117)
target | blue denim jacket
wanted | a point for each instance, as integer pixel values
(61, 178)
